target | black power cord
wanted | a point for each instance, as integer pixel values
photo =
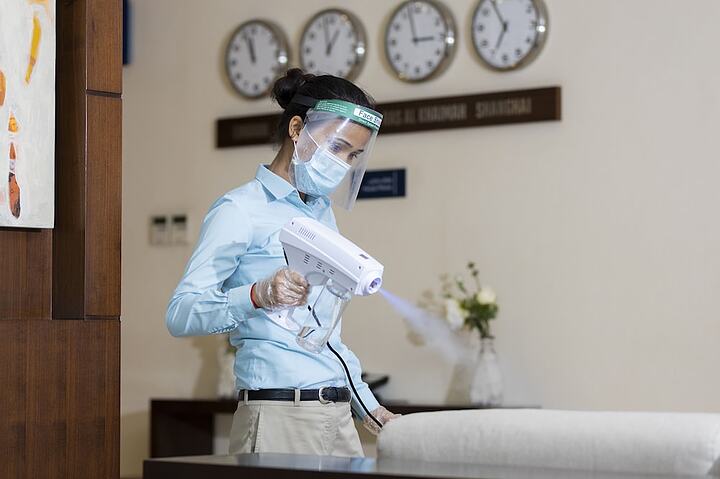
(347, 374)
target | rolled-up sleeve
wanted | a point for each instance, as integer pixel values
(198, 305)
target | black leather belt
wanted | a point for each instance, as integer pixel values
(324, 395)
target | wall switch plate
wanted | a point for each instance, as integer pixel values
(178, 229)
(159, 230)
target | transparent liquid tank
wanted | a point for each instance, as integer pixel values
(324, 316)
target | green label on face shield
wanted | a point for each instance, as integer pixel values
(359, 114)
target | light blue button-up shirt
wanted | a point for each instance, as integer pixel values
(238, 246)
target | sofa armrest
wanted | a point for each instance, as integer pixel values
(629, 442)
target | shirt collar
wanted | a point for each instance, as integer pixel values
(279, 188)
(276, 185)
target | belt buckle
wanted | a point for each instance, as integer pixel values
(320, 396)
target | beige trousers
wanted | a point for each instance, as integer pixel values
(305, 427)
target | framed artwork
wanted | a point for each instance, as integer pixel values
(27, 113)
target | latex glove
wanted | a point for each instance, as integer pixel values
(284, 289)
(382, 415)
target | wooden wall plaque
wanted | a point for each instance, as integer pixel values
(465, 111)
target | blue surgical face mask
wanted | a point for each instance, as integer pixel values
(320, 175)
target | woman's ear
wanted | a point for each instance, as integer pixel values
(294, 127)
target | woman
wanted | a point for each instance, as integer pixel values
(290, 399)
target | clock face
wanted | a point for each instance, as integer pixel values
(419, 39)
(333, 42)
(508, 34)
(256, 55)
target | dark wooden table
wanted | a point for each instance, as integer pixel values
(185, 427)
(289, 466)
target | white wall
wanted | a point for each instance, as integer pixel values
(599, 232)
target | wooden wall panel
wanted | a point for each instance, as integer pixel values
(68, 299)
(60, 412)
(104, 191)
(87, 236)
(93, 391)
(45, 395)
(12, 398)
(111, 413)
(26, 273)
(104, 54)
(59, 380)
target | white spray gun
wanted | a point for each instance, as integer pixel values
(326, 258)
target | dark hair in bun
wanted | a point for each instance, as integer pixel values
(320, 87)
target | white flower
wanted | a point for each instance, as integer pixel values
(454, 314)
(486, 296)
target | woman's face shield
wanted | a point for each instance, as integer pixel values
(341, 137)
(346, 131)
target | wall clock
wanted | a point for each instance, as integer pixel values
(333, 41)
(508, 34)
(420, 39)
(256, 55)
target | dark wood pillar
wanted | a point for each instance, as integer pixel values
(60, 288)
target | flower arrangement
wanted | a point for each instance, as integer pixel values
(463, 307)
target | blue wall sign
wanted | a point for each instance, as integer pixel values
(383, 184)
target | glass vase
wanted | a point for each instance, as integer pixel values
(463, 372)
(487, 385)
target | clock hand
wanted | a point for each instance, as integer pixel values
(412, 23)
(497, 12)
(327, 41)
(251, 48)
(425, 39)
(332, 41)
(502, 20)
(500, 38)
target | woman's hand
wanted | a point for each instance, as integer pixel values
(382, 415)
(284, 289)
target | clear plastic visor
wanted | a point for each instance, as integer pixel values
(344, 138)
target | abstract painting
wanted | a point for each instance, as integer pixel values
(27, 113)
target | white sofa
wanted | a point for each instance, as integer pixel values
(624, 442)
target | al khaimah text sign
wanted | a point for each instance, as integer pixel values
(484, 109)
